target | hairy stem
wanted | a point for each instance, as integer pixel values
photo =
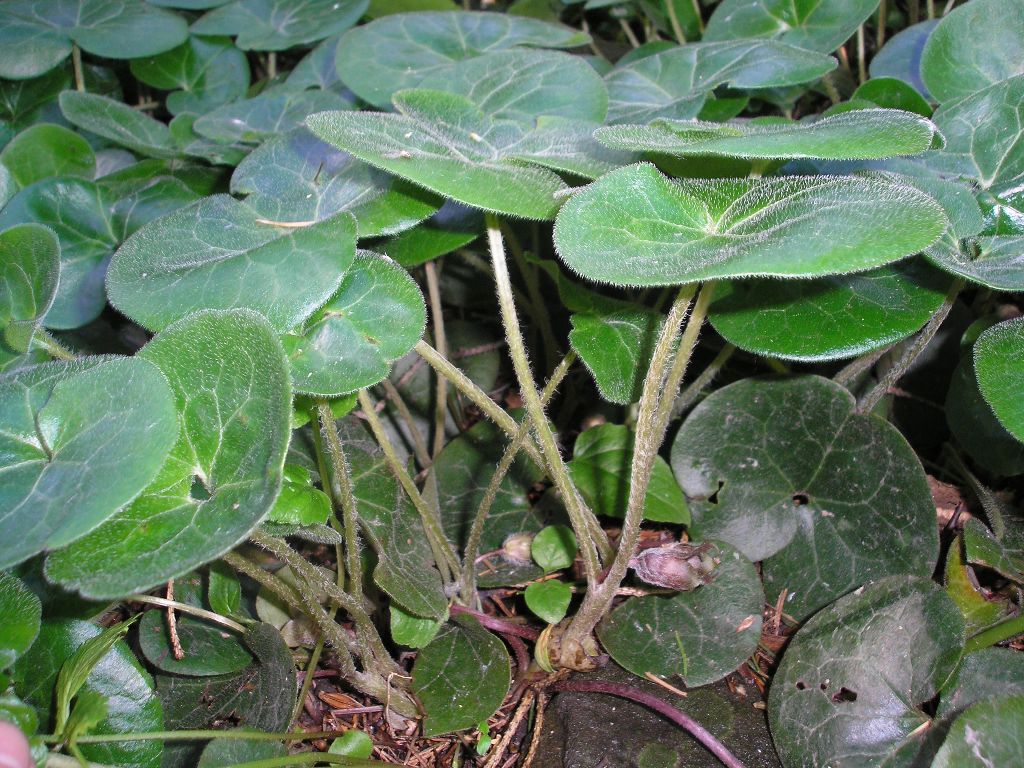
(419, 445)
(76, 63)
(673, 18)
(699, 384)
(441, 343)
(849, 372)
(341, 491)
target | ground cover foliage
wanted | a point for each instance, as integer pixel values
(372, 370)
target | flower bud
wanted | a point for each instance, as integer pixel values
(517, 547)
(678, 566)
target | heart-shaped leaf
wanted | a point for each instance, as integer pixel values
(36, 36)
(65, 425)
(298, 177)
(676, 82)
(988, 733)
(422, 45)
(892, 93)
(376, 317)
(786, 470)
(637, 227)
(830, 318)
(859, 134)
(600, 467)
(996, 262)
(982, 675)
(299, 503)
(46, 150)
(548, 599)
(22, 612)
(317, 68)
(900, 57)
(973, 47)
(701, 635)
(29, 271)
(412, 631)
(230, 382)
(275, 111)
(202, 73)
(814, 26)
(554, 548)
(274, 25)
(21, 101)
(999, 365)
(856, 677)
(461, 678)
(218, 254)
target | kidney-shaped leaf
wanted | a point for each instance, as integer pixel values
(785, 470)
(230, 382)
(816, 26)
(461, 677)
(422, 45)
(80, 440)
(999, 365)
(857, 676)
(273, 25)
(701, 635)
(858, 134)
(29, 271)
(637, 227)
(218, 254)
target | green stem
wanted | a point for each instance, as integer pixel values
(76, 63)
(271, 65)
(197, 735)
(445, 558)
(538, 310)
(419, 445)
(490, 494)
(850, 372)
(862, 65)
(308, 758)
(441, 344)
(699, 384)
(883, 13)
(50, 345)
(185, 608)
(697, 13)
(996, 634)
(579, 515)
(673, 19)
(894, 374)
(341, 490)
(628, 32)
(307, 682)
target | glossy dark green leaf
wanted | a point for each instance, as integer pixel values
(829, 318)
(676, 82)
(223, 753)
(548, 599)
(274, 25)
(299, 503)
(22, 612)
(461, 678)
(202, 74)
(422, 45)
(814, 26)
(36, 36)
(209, 649)
(988, 733)
(856, 677)
(412, 631)
(275, 111)
(47, 150)
(1003, 553)
(230, 382)
(893, 93)
(976, 427)
(224, 590)
(554, 548)
(701, 635)
(600, 468)
(77, 213)
(352, 743)
(29, 272)
(132, 706)
(65, 426)
(21, 101)
(859, 134)
(201, 256)
(786, 472)
(119, 123)
(637, 227)
(999, 365)
(900, 57)
(973, 47)
(298, 177)
(982, 675)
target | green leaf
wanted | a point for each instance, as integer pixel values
(983, 133)
(226, 752)
(412, 631)
(161, 197)
(432, 144)
(132, 706)
(461, 678)
(376, 317)
(829, 318)
(46, 150)
(352, 744)
(900, 57)
(21, 101)
(860, 134)
(422, 45)
(463, 471)
(979, 612)
(36, 36)
(29, 272)
(548, 599)
(701, 635)
(199, 257)
(892, 93)
(984, 674)
(787, 472)
(299, 502)
(230, 382)
(676, 82)
(452, 227)
(874, 657)
(995, 262)
(298, 177)
(274, 25)
(274, 111)
(317, 68)
(224, 591)
(988, 733)
(815, 26)
(554, 548)
(600, 469)
(637, 227)
(209, 648)
(76, 212)
(999, 365)
(973, 47)
(65, 426)
(79, 665)
(202, 73)
(22, 612)
(119, 123)
(1003, 553)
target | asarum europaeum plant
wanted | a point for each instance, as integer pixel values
(757, 374)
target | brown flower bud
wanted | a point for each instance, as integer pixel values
(517, 547)
(678, 566)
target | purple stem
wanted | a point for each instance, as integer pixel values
(695, 729)
(498, 625)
